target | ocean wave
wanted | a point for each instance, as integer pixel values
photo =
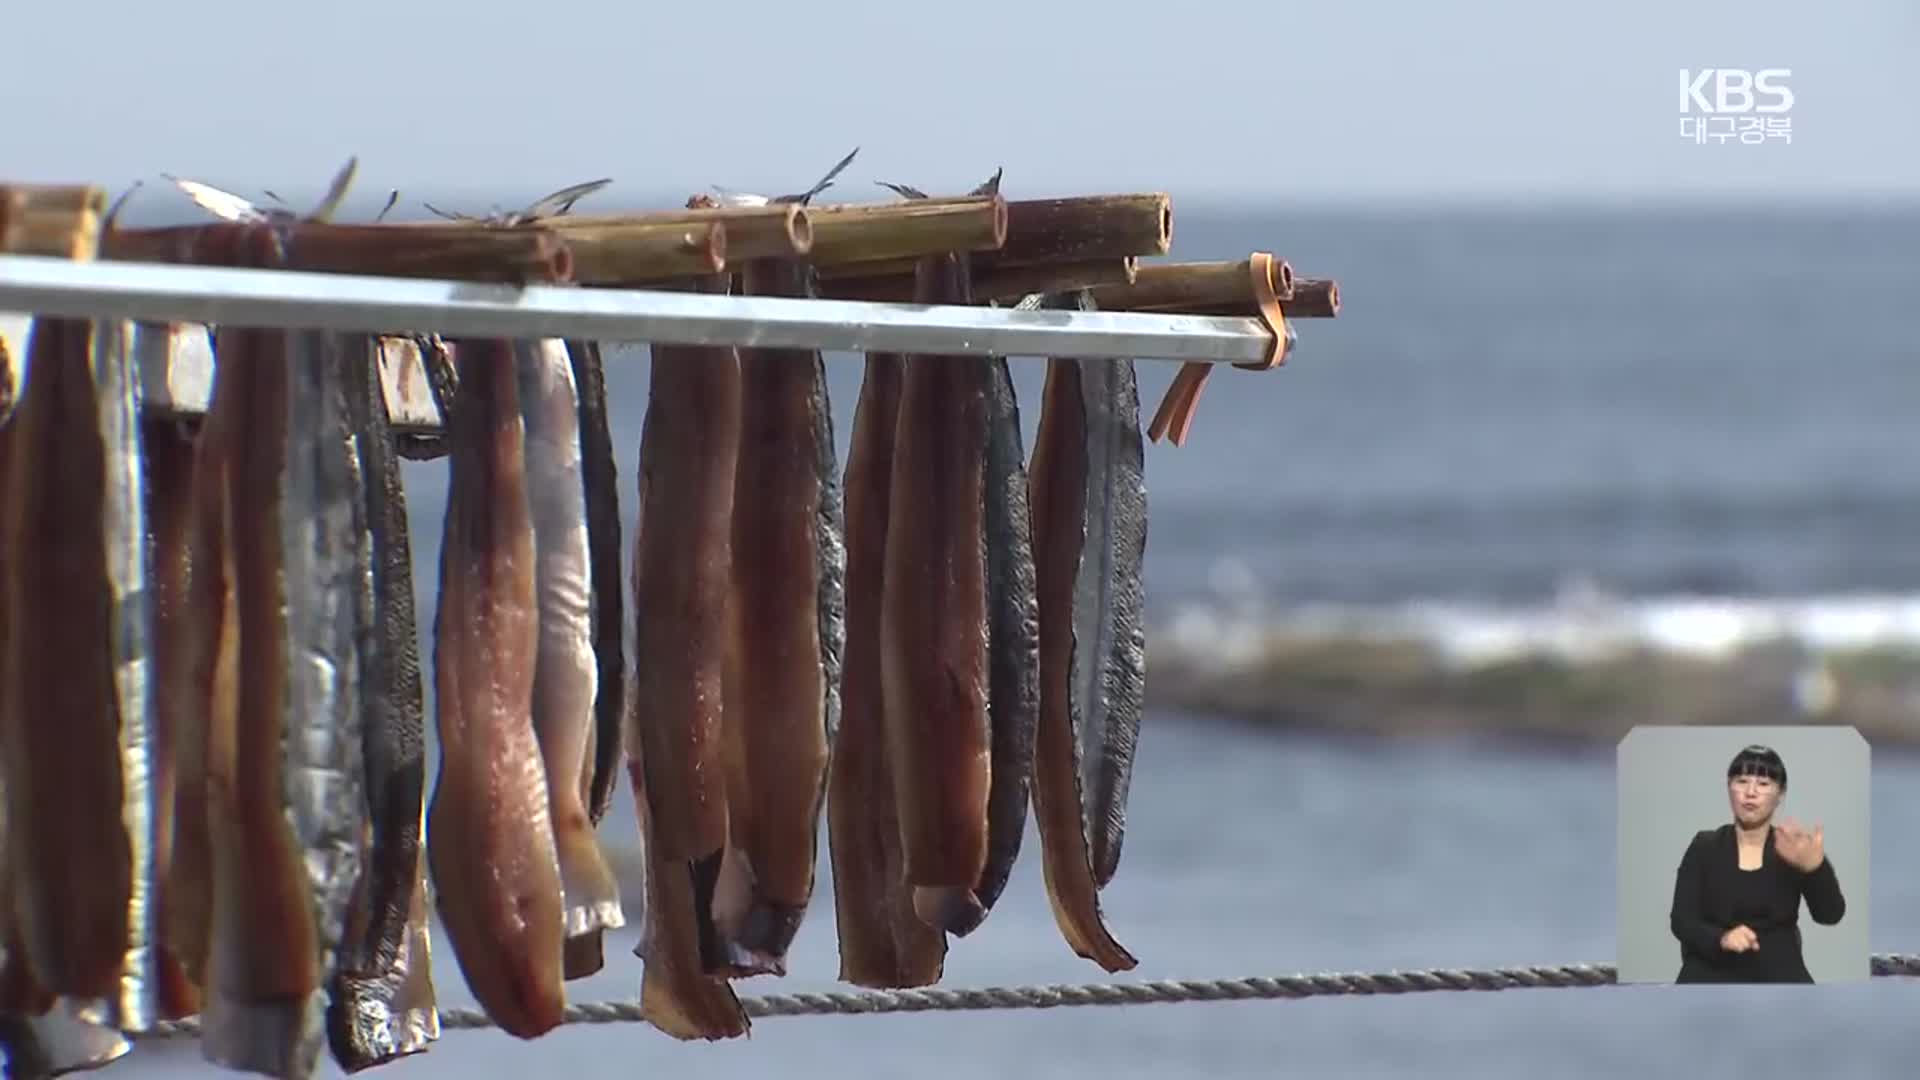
(1585, 665)
(1581, 624)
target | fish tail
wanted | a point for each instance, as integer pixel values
(726, 897)
(374, 1019)
(767, 932)
(415, 1015)
(56, 1042)
(952, 908)
(592, 894)
(583, 955)
(256, 1034)
(510, 985)
(676, 995)
(178, 996)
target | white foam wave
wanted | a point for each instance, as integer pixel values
(1582, 623)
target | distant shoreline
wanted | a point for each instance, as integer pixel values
(1390, 688)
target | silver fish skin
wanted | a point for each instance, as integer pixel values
(1109, 648)
(566, 673)
(1013, 634)
(366, 1023)
(327, 567)
(328, 549)
(117, 387)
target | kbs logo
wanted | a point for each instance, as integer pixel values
(1721, 104)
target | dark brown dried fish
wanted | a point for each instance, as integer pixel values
(495, 870)
(883, 944)
(783, 692)
(179, 718)
(76, 747)
(988, 452)
(367, 1023)
(599, 477)
(689, 447)
(934, 624)
(1089, 521)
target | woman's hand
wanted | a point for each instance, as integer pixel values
(1804, 850)
(1740, 939)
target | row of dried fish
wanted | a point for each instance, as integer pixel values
(227, 815)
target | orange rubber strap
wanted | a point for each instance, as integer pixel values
(1174, 419)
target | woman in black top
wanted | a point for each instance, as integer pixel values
(1736, 899)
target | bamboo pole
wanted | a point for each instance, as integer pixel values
(1312, 298)
(907, 230)
(630, 253)
(995, 283)
(1226, 287)
(753, 232)
(1087, 227)
(58, 220)
(455, 253)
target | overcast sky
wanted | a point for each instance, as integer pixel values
(1247, 99)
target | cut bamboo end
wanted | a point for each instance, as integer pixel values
(751, 232)
(1312, 299)
(1280, 278)
(458, 253)
(1224, 288)
(907, 230)
(1087, 227)
(60, 221)
(644, 254)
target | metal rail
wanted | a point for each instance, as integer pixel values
(278, 298)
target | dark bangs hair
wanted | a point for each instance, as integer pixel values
(1759, 761)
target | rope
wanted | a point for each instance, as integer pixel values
(937, 999)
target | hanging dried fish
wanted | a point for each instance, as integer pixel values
(600, 480)
(1013, 624)
(76, 722)
(783, 686)
(1089, 523)
(1013, 634)
(286, 812)
(490, 837)
(883, 944)
(961, 665)
(689, 447)
(934, 625)
(566, 670)
(367, 1022)
(179, 720)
